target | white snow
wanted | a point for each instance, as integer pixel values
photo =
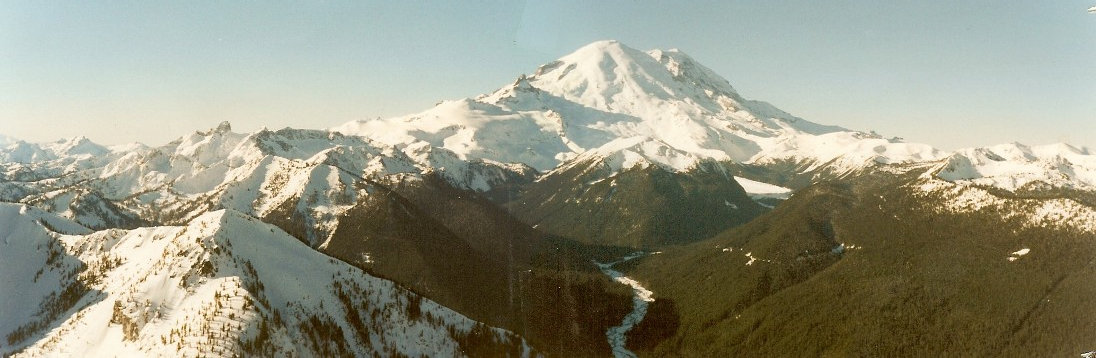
(630, 108)
(320, 174)
(25, 248)
(151, 297)
(641, 297)
(608, 103)
(758, 189)
(751, 259)
(965, 197)
(1017, 254)
(1012, 166)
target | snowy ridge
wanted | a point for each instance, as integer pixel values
(849, 150)
(24, 152)
(626, 153)
(1013, 166)
(20, 160)
(223, 285)
(1042, 212)
(318, 174)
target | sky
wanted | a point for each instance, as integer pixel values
(948, 73)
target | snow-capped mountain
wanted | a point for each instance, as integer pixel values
(608, 108)
(662, 107)
(222, 243)
(225, 284)
(668, 110)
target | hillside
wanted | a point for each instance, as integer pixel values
(225, 284)
(859, 268)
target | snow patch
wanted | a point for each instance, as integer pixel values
(1019, 253)
(758, 190)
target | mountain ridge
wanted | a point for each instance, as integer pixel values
(227, 284)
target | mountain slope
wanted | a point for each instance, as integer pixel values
(227, 284)
(645, 206)
(458, 248)
(38, 272)
(885, 267)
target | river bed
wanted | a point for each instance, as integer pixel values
(641, 297)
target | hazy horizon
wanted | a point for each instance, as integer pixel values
(946, 74)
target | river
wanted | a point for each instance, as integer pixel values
(640, 298)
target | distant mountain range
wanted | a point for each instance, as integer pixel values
(474, 228)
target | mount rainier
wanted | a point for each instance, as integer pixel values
(477, 227)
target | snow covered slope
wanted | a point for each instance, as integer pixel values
(759, 190)
(610, 100)
(1014, 166)
(28, 247)
(223, 285)
(1035, 211)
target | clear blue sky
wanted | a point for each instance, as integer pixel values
(947, 73)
